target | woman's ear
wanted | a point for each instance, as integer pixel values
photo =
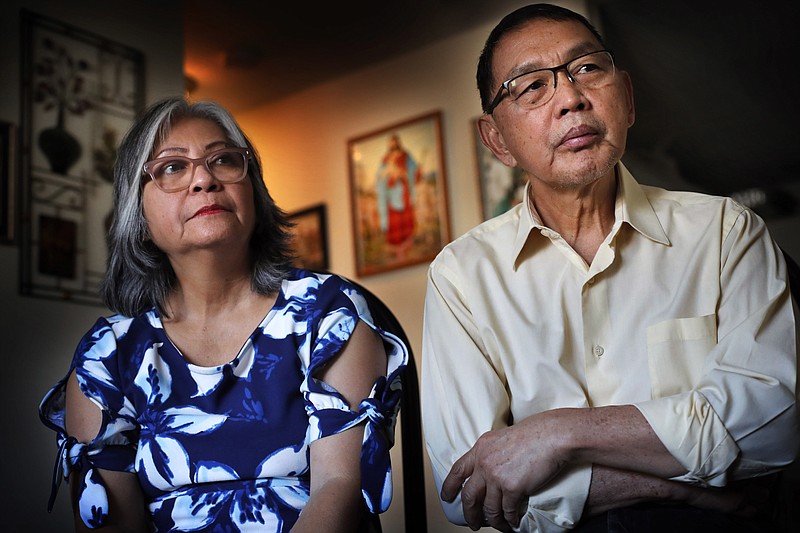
(493, 139)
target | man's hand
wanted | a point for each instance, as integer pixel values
(504, 467)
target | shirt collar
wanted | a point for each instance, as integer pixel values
(637, 209)
(632, 206)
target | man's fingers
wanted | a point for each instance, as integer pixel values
(514, 509)
(493, 509)
(462, 469)
(473, 494)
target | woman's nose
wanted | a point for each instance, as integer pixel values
(203, 179)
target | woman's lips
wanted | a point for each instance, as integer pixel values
(209, 210)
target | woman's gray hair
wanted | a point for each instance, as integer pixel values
(139, 275)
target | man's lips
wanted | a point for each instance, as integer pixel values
(578, 137)
(209, 210)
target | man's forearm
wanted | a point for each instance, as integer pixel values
(614, 436)
(612, 489)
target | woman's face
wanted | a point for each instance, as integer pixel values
(208, 215)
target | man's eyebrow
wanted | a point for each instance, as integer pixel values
(575, 51)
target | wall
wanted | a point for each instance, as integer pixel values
(38, 336)
(303, 139)
(302, 142)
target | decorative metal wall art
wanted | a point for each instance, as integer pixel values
(80, 94)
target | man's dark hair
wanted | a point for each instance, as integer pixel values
(514, 20)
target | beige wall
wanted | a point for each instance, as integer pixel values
(37, 336)
(302, 141)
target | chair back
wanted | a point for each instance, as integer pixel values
(414, 511)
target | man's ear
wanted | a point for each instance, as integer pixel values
(629, 93)
(494, 141)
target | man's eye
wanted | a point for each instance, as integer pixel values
(587, 68)
(534, 86)
(531, 88)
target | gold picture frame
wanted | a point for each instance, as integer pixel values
(310, 237)
(501, 187)
(398, 191)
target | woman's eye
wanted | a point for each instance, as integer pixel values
(224, 159)
(173, 167)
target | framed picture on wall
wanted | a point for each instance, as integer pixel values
(399, 194)
(310, 237)
(80, 93)
(8, 182)
(501, 187)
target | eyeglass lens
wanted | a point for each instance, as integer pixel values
(175, 173)
(536, 88)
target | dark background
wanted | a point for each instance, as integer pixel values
(716, 92)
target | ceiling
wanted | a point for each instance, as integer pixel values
(715, 88)
(261, 51)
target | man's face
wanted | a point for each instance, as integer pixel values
(579, 135)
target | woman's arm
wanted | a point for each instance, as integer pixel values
(126, 511)
(335, 503)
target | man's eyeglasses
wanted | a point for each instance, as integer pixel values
(536, 88)
(175, 173)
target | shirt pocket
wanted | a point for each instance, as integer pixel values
(677, 350)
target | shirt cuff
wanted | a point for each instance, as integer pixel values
(560, 505)
(693, 433)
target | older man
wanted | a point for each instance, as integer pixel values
(604, 349)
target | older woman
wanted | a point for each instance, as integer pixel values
(229, 392)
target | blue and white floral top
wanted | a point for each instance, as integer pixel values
(226, 448)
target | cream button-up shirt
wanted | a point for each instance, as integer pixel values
(685, 312)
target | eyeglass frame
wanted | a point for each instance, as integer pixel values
(498, 97)
(195, 162)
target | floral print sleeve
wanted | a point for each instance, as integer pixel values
(341, 307)
(114, 447)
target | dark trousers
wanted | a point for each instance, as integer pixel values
(669, 519)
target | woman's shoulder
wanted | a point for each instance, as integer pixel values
(109, 330)
(314, 279)
(323, 288)
(120, 323)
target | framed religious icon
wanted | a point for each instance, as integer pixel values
(310, 237)
(399, 194)
(501, 187)
(80, 94)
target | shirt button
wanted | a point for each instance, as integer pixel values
(591, 281)
(598, 351)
